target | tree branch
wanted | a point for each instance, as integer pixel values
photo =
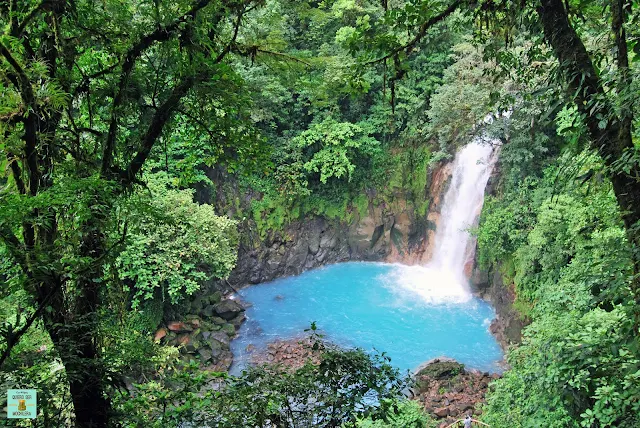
(17, 30)
(162, 33)
(252, 51)
(16, 172)
(232, 42)
(159, 120)
(410, 46)
(618, 17)
(13, 338)
(30, 120)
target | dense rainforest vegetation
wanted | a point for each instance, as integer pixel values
(143, 141)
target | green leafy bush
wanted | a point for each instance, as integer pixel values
(174, 245)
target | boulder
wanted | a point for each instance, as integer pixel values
(463, 406)
(208, 311)
(228, 309)
(179, 327)
(314, 243)
(441, 412)
(237, 321)
(205, 355)
(220, 336)
(229, 329)
(218, 321)
(160, 334)
(191, 347)
(439, 369)
(215, 297)
(183, 339)
(216, 345)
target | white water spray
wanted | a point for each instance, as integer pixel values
(442, 279)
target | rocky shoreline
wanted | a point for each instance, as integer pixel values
(445, 388)
(448, 391)
(204, 334)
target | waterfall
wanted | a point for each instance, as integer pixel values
(462, 205)
(443, 279)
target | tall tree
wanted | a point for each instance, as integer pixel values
(89, 91)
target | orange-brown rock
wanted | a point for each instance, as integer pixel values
(179, 327)
(160, 334)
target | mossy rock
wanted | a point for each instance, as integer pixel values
(229, 329)
(441, 370)
(215, 297)
(218, 321)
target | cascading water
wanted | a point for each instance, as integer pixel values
(462, 205)
(442, 279)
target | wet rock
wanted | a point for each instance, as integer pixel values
(229, 329)
(228, 309)
(237, 321)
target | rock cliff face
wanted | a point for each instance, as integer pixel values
(508, 325)
(389, 231)
(489, 285)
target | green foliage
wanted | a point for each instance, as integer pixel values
(176, 247)
(572, 370)
(333, 148)
(463, 99)
(345, 388)
(404, 414)
(562, 236)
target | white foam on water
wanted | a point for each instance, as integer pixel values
(433, 286)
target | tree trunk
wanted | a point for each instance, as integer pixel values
(79, 357)
(609, 134)
(72, 327)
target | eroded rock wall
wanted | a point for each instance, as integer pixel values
(391, 230)
(490, 285)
